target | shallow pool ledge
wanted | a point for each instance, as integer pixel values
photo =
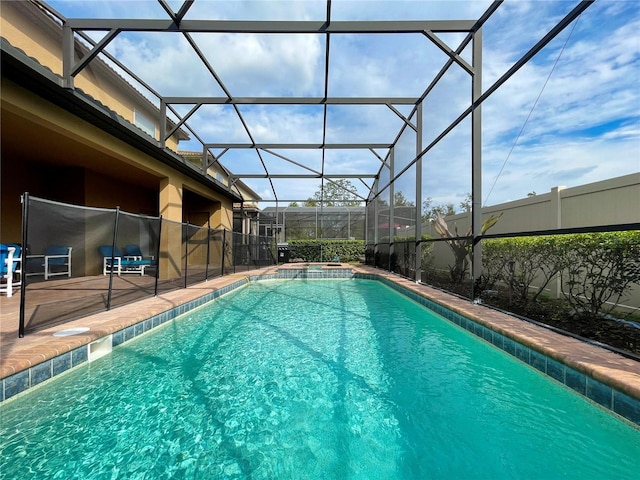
(609, 379)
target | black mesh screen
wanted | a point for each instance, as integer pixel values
(63, 264)
(82, 260)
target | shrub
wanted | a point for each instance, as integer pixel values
(327, 250)
(425, 252)
(532, 259)
(602, 267)
(596, 269)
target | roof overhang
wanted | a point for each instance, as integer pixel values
(31, 75)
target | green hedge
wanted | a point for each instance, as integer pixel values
(596, 270)
(311, 250)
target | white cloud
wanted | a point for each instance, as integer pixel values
(284, 124)
(264, 65)
(408, 9)
(570, 164)
(247, 65)
(584, 127)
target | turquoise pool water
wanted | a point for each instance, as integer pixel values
(310, 379)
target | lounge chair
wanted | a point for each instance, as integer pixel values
(55, 261)
(113, 259)
(133, 252)
(10, 268)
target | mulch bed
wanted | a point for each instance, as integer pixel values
(619, 335)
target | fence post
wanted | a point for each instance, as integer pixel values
(155, 288)
(555, 287)
(206, 266)
(233, 251)
(23, 276)
(113, 249)
(251, 256)
(224, 244)
(185, 235)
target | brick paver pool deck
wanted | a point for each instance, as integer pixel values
(20, 354)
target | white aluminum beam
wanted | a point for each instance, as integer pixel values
(301, 146)
(271, 27)
(298, 175)
(292, 100)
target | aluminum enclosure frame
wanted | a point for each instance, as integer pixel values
(176, 23)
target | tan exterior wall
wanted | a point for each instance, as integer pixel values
(21, 31)
(99, 192)
(102, 172)
(21, 102)
(251, 198)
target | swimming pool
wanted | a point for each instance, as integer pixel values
(311, 379)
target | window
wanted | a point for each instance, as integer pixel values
(144, 123)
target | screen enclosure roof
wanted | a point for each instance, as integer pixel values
(299, 99)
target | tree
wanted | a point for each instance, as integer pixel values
(430, 212)
(441, 210)
(465, 205)
(444, 210)
(337, 193)
(426, 209)
(399, 200)
(294, 204)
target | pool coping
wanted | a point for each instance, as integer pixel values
(604, 377)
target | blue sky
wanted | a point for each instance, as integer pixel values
(585, 87)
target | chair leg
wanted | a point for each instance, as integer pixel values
(9, 284)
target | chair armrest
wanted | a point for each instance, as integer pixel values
(13, 263)
(47, 257)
